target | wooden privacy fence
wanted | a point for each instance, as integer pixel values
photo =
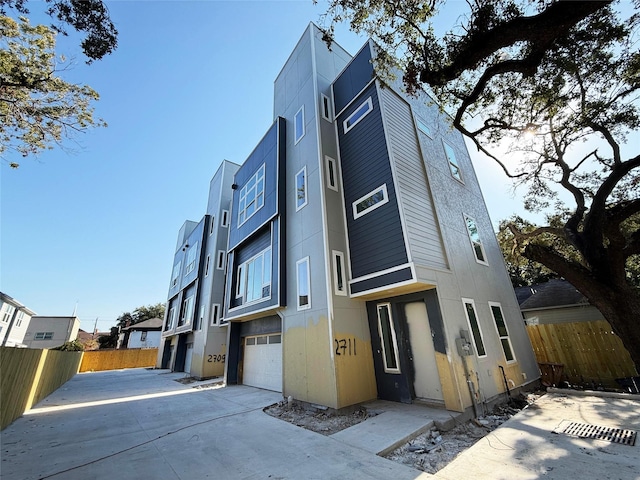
(589, 351)
(29, 375)
(99, 360)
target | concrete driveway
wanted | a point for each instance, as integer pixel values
(142, 424)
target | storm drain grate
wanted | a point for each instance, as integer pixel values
(610, 434)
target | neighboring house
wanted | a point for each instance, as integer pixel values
(51, 332)
(14, 320)
(571, 339)
(88, 340)
(361, 261)
(144, 334)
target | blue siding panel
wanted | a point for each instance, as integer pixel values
(388, 279)
(376, 240)
(353, 79)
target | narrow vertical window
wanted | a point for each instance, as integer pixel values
(200, 318)
(472, 320)
(332, 173)
(298, 125)
(326, 107)
(474, 238)
(339, 277)
(171, 318)
(303, 283)
(453, 162)
(220, 262)
(301, 188)
(388, 341)
(224, 221)
(212, 226)
(422, 126)
(187, 311)
(215, 311)
(175, 274)
(503, 333)
(206, 268)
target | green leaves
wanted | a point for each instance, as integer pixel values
(38, 109)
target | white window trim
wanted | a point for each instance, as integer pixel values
(308, 304)
(303, 171)
(171, 318)
(393, 339)
(191, 266)
(385, 199)
(220, 260)
(297, 137)
(241, 281)
(258, 207)
(422, 126)
(328, 163)
(175, 274)
(211, 227)
(508, 337)
(336, 255)
(215, 312)
(369, 106)
(201, 317)
(187, 310)
(224, 220)
(454, 163)
(325, 102)
(206, 267)
(484, 253)
(475, 310)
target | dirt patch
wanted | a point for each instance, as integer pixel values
(433, 450)
(316, 419)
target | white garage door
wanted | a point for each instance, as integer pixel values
(262, 366)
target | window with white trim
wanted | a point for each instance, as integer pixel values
(206, 268)
(422, 126)
(7, 312)
(19, 318)
(215, 311)
(251, 198)
(191, 259)
(370, 201)
(298, 125)
(301, 188)
(331, 167)
(224, 221)
(211, 227)
(474, 326)
(339, 276)
(198, 326)
(503, 333)
(187, 310)
(171, 318)
(453, 162)
(143, 336)
(220, 261)
(358, 114)
(386, 330)
(175, 274)
(325, 107)
(474, 238)
(43, 336)
(254, 278)
(303, 282)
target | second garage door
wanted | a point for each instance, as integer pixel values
(263, 362)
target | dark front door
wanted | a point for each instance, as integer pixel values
(387, 340)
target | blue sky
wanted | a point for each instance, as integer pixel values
(190, 84)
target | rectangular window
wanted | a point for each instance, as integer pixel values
(213, 224)
(370, 201)
(326, 107)
(422, 126)
(224, 221)
(175, 274)
(453, 162)
(474, 237)
(220, 261)
(357, 116)
(388, 341)
(198, 326)
(206, 268)
(7, 312)
(472, 320)
(187, 311)
(191, 259)
(339, 277)
(215, 312)
(250, 341)
(275, 339)
(254, 278)
(304, 284)
(171, 318)
(298, 125)
(251, 197)
(43, 336)
(332, 173)
(19, 318)
(503, 333)
(143, 336)
(301, 188)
